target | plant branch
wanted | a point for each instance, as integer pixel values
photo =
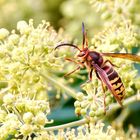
(56, 81)
(113, 107)
(127, 101)
(72, 124)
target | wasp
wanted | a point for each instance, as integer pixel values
(104, 69)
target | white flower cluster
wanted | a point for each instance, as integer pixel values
(26, 59)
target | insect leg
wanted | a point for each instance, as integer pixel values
(108, 61)
(72, 71)
(103, 87)
(71, 60)
(90, 75)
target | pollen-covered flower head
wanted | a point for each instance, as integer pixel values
(115, 10)
(27, 63)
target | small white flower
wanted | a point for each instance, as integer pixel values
(3, 33)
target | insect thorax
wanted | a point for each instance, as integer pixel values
(96, 57)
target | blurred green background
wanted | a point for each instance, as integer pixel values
(68, 14)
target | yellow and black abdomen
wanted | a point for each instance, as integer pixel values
(115, 81)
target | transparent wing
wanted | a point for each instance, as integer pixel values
(106, 81)
(129, 56)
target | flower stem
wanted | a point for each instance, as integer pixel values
(113, 107)
(72, 124)
(127, 101)
(57, 82)
(19, 117)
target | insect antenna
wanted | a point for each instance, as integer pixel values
(67, 44)
(83, 32)
(85, 40)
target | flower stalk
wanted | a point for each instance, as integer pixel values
(55, 81)
(113, 107)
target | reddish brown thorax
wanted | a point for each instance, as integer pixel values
(91, 56)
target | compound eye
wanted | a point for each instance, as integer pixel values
(81, 54)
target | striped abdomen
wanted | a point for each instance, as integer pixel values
(115, 81)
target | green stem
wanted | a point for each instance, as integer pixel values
(57, 82)
(126, 102)
(113, 107)
(19, 117)
(68, 125)
(122, 117)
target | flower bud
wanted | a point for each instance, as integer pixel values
(3, 33)
(94, 107)
(77, 104)
(78, 111)
(13, 39)
(27, 117)
(40, 119)
(11, 116)
(80, 96)
(84, 104)
(100, 112)
(106, 15)
(90, 97)
(26, 129)
(8, 98)
(91, 113)
(83, 111)
(23, 27)
(2, 115)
